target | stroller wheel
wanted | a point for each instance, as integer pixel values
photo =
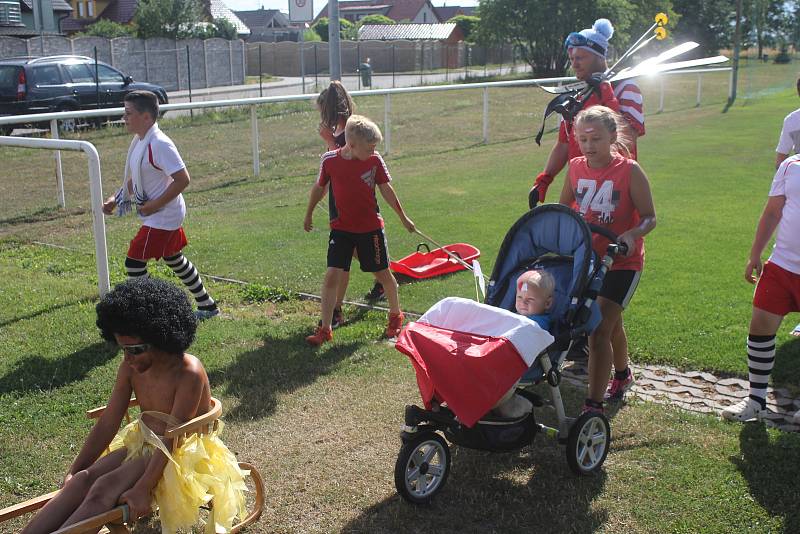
(422, 467)
(588, 443)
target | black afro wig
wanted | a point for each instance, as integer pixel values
(154, 310)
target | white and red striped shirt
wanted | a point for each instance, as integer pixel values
(630, 104)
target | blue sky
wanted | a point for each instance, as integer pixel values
(283, 5)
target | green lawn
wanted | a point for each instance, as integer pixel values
(322, 426)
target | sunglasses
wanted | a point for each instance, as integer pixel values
(576, 39)
(135, 350)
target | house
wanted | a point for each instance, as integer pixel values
(447, 33)
(446, 13)
(21, 18)
(268, 25)
(87, 12)
(417, 11)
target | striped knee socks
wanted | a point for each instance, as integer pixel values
(135, 268)
(760, 359)
(184, 269)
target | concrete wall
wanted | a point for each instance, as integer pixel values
(283, 59)
(213, 62)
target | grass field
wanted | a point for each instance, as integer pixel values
(322, 426)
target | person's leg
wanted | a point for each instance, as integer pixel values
(135, 268)
(104, 493)
(186, 271)
(387, 280)
(601, 352)
(54, 513)
(330, 288)
(619, 344)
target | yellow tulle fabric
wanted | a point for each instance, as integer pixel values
(202, 469)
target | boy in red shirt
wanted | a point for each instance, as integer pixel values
(351, 173)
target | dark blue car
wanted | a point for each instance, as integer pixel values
(63, 83)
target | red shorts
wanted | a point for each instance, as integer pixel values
(153, 243)
(778, 290)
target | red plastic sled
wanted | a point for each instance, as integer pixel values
(434, 262)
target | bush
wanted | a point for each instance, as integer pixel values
(783, 56)
(107, 28)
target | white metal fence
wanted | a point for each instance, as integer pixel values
(253, 103)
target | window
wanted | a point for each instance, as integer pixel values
(81, 8)
(108, 75)
(424, 17)
(80, 73)
(90, 6)
(46, 75)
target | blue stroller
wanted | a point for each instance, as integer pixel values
(549, 237)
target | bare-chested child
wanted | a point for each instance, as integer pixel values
(152, 322)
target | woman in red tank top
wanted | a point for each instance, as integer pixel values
(610, 190)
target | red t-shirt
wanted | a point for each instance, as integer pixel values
(351, 183)
(603, 197)
(625, 98)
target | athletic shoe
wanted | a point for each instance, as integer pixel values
(376, 293)
(617, 387)
(395, 325)
(202, 315)
(746, 410)
(588, 408)
(320, 336)
(338, 319)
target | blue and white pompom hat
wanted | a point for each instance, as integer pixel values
(594, 39)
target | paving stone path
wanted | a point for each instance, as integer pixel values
(697, 391)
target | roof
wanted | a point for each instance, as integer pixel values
(446, 13)
(121, 11)
(262, 18)
(218, 10)
(437, 32)
(398, 10)
(58, 5)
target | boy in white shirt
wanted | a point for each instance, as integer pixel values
(778, 291)
(153, 180)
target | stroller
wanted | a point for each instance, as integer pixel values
(458, 392)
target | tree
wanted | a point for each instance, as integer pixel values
(710, 23)
(468, 25)
(763, 23)
(538, 27)
(225, 29)
(376, 19)
(175, 19)
(107, 28)
(346, 29)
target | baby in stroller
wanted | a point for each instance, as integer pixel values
(534, 298)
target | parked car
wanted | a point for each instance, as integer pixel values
(63, 83)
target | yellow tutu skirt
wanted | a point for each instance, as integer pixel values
(201, 470)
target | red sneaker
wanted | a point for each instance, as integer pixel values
(320, 336)
(395, 325)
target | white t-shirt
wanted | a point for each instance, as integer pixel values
(161, 160)
(786, 253)
(790, 134)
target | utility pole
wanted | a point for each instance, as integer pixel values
(334, 50)
(737, 38)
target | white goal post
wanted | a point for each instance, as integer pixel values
(95, 186)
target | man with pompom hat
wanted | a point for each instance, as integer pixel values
(587, 54)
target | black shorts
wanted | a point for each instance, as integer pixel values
(619, 286)
(373, 253)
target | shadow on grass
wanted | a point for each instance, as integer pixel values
(787, 364)
(35, 373)
(494, 492)
(531, 490)
(282, 364)
(771, 469)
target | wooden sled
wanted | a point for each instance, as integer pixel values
(115, 520)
